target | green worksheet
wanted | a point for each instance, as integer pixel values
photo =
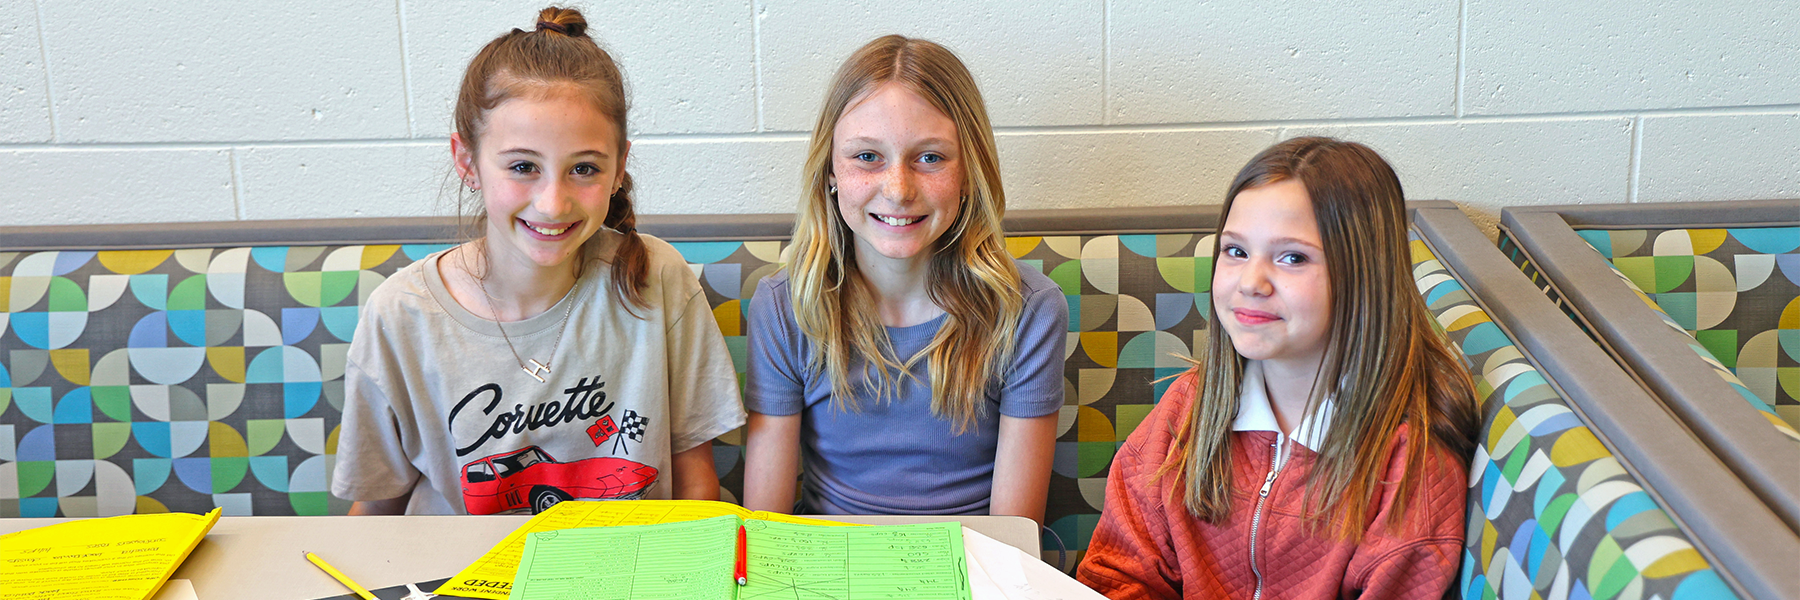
(697, 559)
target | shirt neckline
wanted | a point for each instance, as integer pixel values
(924, 330)
(440, 294)
(1255, 413)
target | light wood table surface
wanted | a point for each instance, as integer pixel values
(260, 557)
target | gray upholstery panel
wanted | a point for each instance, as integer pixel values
(1745, 213)
(749, 227)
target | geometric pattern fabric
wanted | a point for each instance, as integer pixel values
(156, 380)
(1735, 291)
(1552, 513)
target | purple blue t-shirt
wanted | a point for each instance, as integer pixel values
(895, 457)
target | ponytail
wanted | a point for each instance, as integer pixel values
(631, 261)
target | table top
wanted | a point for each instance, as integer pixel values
(260, 557)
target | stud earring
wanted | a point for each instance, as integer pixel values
(833, 190)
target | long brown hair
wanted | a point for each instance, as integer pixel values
(1390, 364)
(558, 55)
(971, 276)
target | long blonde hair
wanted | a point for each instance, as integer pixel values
(971, 276)
(1391, 365)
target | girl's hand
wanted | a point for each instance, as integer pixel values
(772, 462)
(1022, 466)
(693, 473)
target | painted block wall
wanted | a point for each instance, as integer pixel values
(128, 111)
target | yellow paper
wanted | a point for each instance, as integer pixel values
(115, 558)
(491, 576)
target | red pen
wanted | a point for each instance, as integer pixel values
(743, 557)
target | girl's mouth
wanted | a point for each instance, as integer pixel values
(549, 231)
(897, 221)
(1253, 317)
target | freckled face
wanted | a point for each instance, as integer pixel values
(1271, 292)
(547, 168)
(898, 170)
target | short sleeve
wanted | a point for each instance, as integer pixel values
(773, 378)
(1033, 384)
(372, 461)
(703, 391)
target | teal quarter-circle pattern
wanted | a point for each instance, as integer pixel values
(156, 380)
(1552, 513)
(1735, 291)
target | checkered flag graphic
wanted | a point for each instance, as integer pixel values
(632, 428)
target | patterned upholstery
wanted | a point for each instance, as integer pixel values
(148, 381)
(1716, 307)
(1735, 291)
(1552, 514)
(223, 368)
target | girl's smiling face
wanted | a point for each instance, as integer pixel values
(1271, 292)
(547, 167)
(898, 170)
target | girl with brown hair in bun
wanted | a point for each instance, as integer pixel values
(560, 354)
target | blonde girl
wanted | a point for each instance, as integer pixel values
(902, 355)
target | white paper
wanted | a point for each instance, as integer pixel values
(981, 587)
(1016, 575)
(177, 589)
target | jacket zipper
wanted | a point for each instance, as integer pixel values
(1275, 465)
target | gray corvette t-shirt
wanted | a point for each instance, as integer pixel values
(436, 403)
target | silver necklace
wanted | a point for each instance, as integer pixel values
(534, 367)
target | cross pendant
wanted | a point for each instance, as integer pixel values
(535, 368)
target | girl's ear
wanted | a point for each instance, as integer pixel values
(463, 157)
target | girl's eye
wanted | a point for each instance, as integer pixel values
(1233, 251)
(585, 170)
(931, 158)
(1294, 259)
(867, 156)
(522, 167)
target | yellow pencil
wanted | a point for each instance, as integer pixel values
(314, 558)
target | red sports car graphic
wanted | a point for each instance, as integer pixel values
(530, 479)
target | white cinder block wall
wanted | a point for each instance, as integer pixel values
(129, 111)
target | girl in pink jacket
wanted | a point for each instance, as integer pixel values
(1320, 446)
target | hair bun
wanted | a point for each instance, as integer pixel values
(566, 21)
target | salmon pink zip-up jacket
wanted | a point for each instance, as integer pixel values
(1147, 544)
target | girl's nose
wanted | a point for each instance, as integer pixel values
(898, 184)
(553, 198)
(1253, 279)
